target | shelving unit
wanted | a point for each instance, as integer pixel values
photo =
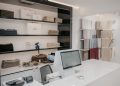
(30, 50)
(65, 28)
(17, 70)
(63, 12)
(97, 40)
(28, 20)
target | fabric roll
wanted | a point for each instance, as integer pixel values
(94, 43)
(94, 53)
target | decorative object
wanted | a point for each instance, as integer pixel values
(10, 63)
(40, 58)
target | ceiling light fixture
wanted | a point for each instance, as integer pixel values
(76, 7)
(27, 2)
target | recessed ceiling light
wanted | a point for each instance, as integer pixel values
(76, 7)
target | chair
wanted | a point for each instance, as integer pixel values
(44, 71)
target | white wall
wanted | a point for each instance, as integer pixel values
(92, 7)
(76, 29)
(117, 41)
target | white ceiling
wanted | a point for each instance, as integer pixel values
(89, 7)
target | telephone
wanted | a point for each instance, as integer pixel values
(15, 83)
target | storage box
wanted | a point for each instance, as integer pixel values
(34, 29)
(58, 20)
(36, 17)
(49, 19)
(26, 14)
(53, 32)
(6, 14)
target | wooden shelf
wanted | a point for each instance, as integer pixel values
(28, 20)
(30, 50)
(16, 70)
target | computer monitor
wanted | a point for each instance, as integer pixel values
(70, 59)
(66, 59)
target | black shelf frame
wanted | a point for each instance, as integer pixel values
(30, 50)
(32, 35)
(66, 15)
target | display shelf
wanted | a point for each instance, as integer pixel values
(15, 70)
(32, 35)
(30, 50)
(27, 20)
(61, 10)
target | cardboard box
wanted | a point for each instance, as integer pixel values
(53, 32)
(49, 19)
(36, 17)
(26, 14)
(58, 20)
(34, 29)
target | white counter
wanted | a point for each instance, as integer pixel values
(94, 72)
(91, 73)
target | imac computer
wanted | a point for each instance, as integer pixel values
(66, 59)
(70, 59)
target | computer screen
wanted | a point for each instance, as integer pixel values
(70, 59)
